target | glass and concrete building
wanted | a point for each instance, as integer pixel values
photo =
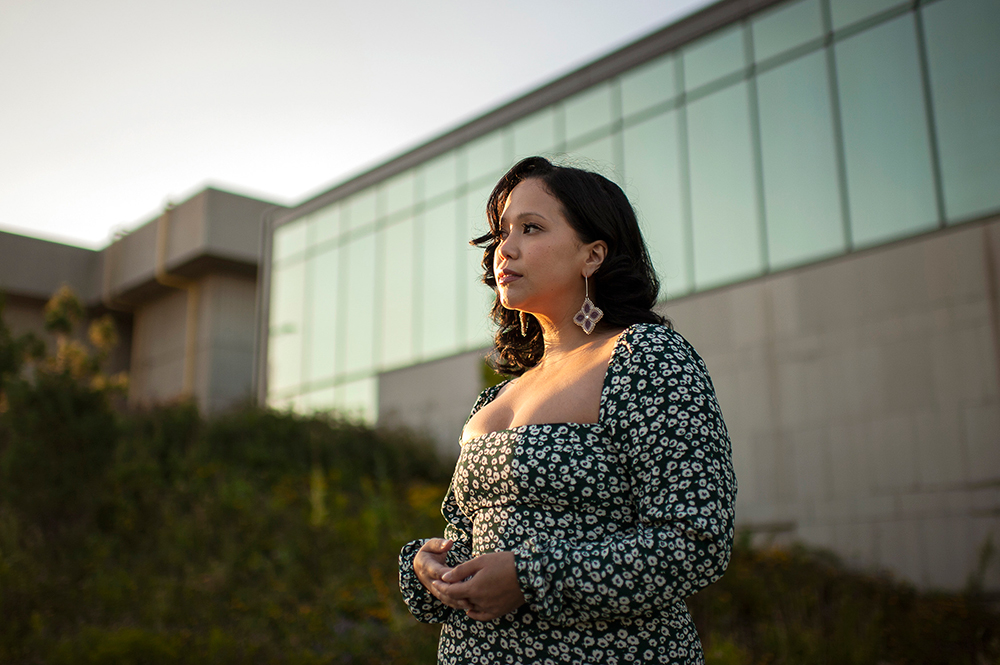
(819, 185)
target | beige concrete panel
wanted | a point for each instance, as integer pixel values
(762, 483)
(955, 267)
(234, 225)
(890, 444)
(705, 321)
(157, 364)
(877, 507)
(133, 258)
(858, 543)
(161, 381)
(985, 535)
(36, 268)
(949, 551)
(964, 367)
(938, 447)
(784, 290)
(901, 549)
(894, 281)
(982, 442)
(186, 230)
(849, 460)
(812, 465)
(231, 301)
(743, 465)
(907, 376)
(230, 373)
(984, 501)
(432, 398)
(752, 406)
(816, 535)
(923, 505)
(750, 311)
(828, 298)
(837, 511)
(801, 394)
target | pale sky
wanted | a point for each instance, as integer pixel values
(110, 108)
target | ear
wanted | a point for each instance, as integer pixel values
(595, 253)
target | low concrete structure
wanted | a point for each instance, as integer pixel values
(182, 289)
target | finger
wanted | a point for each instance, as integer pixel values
(480, 615)
(463, 570)
(438, 545)
(443, 592)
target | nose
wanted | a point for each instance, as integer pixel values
(507, 248)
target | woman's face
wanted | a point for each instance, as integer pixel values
(540, 262)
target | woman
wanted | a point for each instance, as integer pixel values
(594, 491)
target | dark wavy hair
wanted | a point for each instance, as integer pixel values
(625, 286)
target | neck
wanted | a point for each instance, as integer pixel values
(562, 337)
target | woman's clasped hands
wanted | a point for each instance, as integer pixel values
(485, 587)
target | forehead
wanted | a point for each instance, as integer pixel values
(531, 196)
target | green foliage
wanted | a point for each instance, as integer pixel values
(800, 606)
(161, 536)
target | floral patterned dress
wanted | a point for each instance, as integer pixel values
(612, 524)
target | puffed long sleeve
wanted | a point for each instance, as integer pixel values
(422, 605)
(675, 449)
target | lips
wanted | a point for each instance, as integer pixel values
(507, 276)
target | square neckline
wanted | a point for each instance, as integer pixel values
(600, 411)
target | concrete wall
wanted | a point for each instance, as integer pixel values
(432, 398)
(228, 303)
(862, 399)
(224, 348)
(35, 268)
(157, 367)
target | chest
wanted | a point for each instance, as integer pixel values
(567, 395)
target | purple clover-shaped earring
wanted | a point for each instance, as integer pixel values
(589, 313)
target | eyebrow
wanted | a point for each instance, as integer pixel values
(527, 213)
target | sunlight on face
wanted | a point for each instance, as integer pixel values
(540, 262)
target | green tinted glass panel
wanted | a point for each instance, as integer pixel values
(321, 400)
(359, 292)
(536, 134)
(324, 272)
(648, 85)
(846, 12)
(478, 296)
(358, 399)
(889, 181)
(964, 59)
(588, 111)
(714, 56)
(652, 171)
(326, 223)
(785, 27)
(398, 293)
(440, 175)
(289, 239)
(398, 192)
(484, 157)
(361, 209)
(285, 329)
(442, 241)
(596, 156)
(804, 219)
(723, 204)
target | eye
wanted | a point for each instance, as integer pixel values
(529, 227)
